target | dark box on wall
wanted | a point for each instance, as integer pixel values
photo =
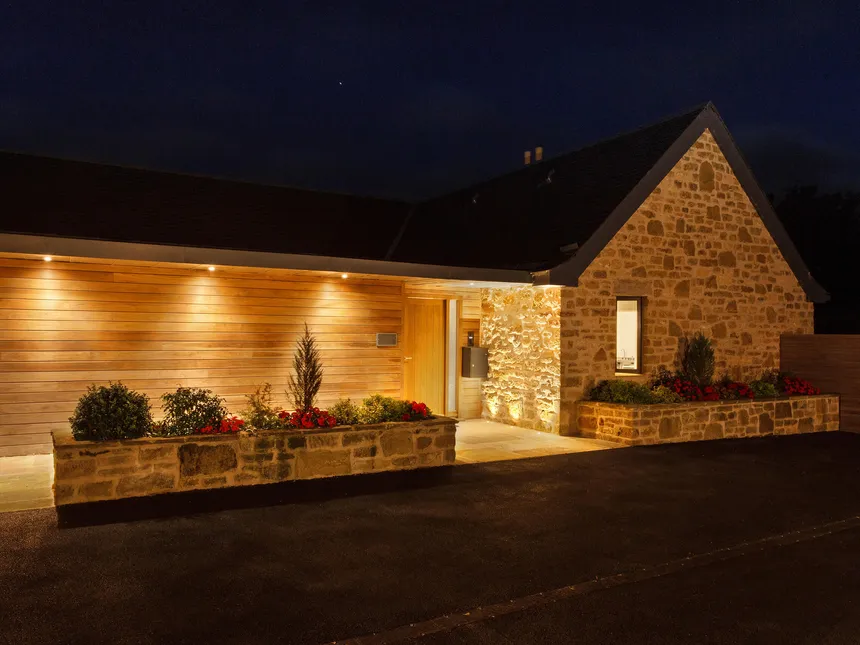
(475, 364)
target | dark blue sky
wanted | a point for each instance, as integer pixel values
(410, 99)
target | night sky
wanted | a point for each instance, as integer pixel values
(410, 100)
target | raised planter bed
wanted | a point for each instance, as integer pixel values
(87, 471)
(633, 424)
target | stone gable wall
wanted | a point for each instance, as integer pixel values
(649, 424)
(87, 471)
(699, 253)
(520, 328)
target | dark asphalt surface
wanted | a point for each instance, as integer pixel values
(333, 566)
(805, 593)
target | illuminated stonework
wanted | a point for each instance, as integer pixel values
(520, 328)
(700, 255)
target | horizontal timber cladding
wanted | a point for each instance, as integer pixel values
(832, 363)
(470, 298)
(469, 402)
(64, 325)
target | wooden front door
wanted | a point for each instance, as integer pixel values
(424, 353)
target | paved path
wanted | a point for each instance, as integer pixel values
(25, 482)
(347, 566)
(480, 441)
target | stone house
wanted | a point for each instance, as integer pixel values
(569, 270)
(693, 246)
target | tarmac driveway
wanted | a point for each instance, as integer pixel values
(326, 562)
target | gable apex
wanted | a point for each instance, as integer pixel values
(708, 119)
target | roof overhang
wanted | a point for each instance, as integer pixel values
(567, 273)
(104, 249)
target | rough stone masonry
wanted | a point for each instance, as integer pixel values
(87, 471)
(699, 254)
(634, 425)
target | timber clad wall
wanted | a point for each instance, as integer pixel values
(65, 325)
(831, 363)
(469, 393)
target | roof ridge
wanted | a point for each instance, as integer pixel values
(192, 175)
(708, 105)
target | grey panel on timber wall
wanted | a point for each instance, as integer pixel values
(475, 362)
(386, 340)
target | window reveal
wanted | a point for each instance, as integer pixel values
(628, 335)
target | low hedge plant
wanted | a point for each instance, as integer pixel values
(189, 410)
(111, 412)
(381, 409)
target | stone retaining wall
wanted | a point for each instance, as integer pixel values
(87, 471)
(695, 421)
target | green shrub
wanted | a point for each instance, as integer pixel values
(112, 412)
(775, 378)
(190, 409)
(379, 409)
(620, 391)
(662, 394)
(763, 389)
(260, 413)
(697, 360)
(345, 411)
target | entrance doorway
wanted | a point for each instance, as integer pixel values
(424, 352)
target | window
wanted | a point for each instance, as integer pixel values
(628, 335)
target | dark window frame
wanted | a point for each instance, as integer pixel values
(640, 315)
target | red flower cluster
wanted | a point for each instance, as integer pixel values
(791, 386)
(686, 389)
(307, 419)
(416, 411)
(738, 390)
(709, 393)
(229, 425)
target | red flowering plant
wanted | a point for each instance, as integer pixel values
(686, 389)
(793, 386)
(228, 425)
(730, 390)
(680, 385)
(710, 393)
(789, 384)
(307, 419)
(416, 411)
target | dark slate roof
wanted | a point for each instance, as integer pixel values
(522, 220)
(552, 217)
(46, 196)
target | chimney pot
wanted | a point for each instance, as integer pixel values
(538, 153)
(527, 155)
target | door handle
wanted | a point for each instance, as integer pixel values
(407, 358)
